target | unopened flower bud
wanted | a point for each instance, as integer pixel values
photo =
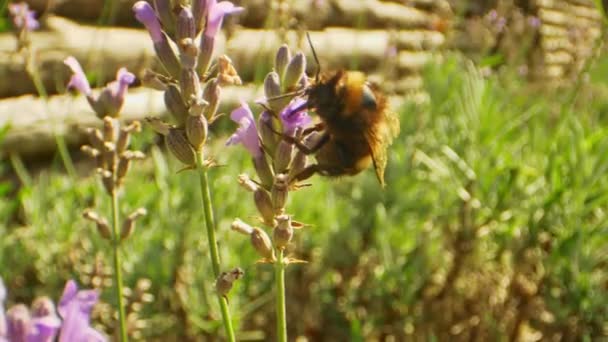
(185, 25)
(175, 104)
(189, 53)
(205, 54)
(225, 281)
(241, 227)
(190, 85)
(247, 183)
(95, 137)
(263, 203)
(294, 72)
(212, 94)
(199, 8)
(150, 79)
(167, 56)
(107, 180)
(196, 131)
(124, 162)
(178, 144)
(227, 74)
(102, 224)
(165, 13)
(263, 170)
(281, 60)
(262, 244)
(90, 151)
(109, 156)
(128, 226)
(283, 232)
(110, 127)
(298, 163)
(124, 137)
(272, 85)
(283, 156)
(43, 307)
(158, 125)
(18, 322)
(266, 128)
(279, 192)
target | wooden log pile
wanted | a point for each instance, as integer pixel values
(390, 40)
(568, 30)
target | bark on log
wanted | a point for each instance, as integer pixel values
(349, 13)
(104, 50)
(33, 123)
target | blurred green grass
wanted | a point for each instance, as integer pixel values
(492, 226)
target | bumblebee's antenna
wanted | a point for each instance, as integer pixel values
(314, 54)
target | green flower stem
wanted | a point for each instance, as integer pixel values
(214, 254)
(279, 275)
(117, 268)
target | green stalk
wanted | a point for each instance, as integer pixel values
(117, 268)
(279, 275)
(213, 251)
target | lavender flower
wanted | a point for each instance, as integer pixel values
(78, 79)
(38, 325)
(110, 100)
(294, 116)
(215, 15)
(144, 13)
(75, 307)
(247, 133)
(23, 17)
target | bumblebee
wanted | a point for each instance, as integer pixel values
(355, 129)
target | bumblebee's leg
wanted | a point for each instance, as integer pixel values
(314, 146)
(308, 172)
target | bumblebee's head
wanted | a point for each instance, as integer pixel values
(358, 96)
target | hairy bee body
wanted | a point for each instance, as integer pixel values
(356, 126)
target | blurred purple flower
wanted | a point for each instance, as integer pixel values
(215, 15)
(20, 324)
(23, 17)
(534, 21)
(110, 100)
(78, 79)
(294, 116)
(144, 13)
(247, 133)
(75, 308)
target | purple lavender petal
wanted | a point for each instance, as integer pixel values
(247, 133)
(294, 116)
(215, 15)
(23, 18)
(19, 323)
(2, 316)
(78, 80)
(144, 13)
(75, 307)
(123, 79)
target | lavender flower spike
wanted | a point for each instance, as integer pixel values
(247, 133)
(23, 18)
(20, 324)
(294, 116)
(144, 13)
(215, 15)
(75, 307)
(78, 80)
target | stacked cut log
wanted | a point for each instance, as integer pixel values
(569, 30)
(394, 44)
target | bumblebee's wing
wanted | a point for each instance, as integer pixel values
(379, 138)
